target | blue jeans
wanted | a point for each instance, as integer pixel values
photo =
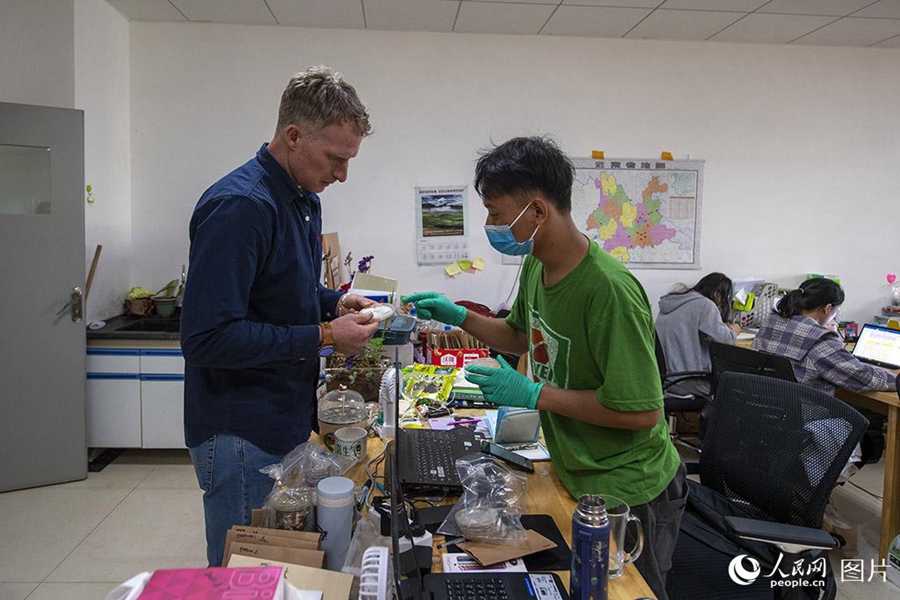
(227, 469)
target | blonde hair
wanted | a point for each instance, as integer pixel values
(319, 97)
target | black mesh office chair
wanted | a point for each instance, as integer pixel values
(679, 403)
(772, 454)
(727, 358)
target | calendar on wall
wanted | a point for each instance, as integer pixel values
(441, 251)
(441, 225)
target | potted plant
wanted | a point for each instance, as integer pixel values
(361, 373)
(166, 299)
(139, 301)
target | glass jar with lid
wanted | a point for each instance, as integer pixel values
(340, 408)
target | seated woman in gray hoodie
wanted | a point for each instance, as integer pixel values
(688, 319)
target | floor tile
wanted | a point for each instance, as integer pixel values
(16, 591)
(152, 529)
(871, 478)
(171, 477)
(72, 591)
(872, 590)
(56, 521)
(125, 476)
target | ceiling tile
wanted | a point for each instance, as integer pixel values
(615, 3)
(410, 15)
(853, 32)
(727, 5)
(244, 12)
(483, 17)
(886, 9)
(695, 25)
(827, 8)
(551, 2)
(345, 14)
(147, 10)
(758, 28)
(893, 42)
(590, 21)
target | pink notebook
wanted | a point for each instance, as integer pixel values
(243, 583)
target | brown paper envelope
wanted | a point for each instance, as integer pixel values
(259, 517)
(491, 554)
(333, 584)
(264, 539)
(295, 556)
(311, 536)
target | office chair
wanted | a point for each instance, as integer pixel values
(728, 358)
(679, 403)
(771, 457)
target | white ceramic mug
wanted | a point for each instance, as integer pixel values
(351, 442)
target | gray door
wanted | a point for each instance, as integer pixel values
(42, 406)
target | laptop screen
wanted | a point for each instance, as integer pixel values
(878, 346)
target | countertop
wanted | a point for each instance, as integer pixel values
(130, 327)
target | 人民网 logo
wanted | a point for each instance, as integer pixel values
(739, 573)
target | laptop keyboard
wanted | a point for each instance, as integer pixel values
(463, 588)
(434, 457)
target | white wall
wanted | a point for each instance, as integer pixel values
(36, 41)
(102, 91)
(799, 141)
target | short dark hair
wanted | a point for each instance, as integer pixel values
(526, 164)
(812, 294)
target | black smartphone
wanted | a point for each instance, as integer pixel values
(508, 456)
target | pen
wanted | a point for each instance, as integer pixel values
(466, 421)
(451, 542)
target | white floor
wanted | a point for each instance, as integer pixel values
(76, 541)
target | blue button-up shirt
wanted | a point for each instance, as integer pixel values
(252, 305)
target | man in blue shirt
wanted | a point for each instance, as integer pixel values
(255, 319)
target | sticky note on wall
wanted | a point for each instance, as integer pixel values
(452, 269)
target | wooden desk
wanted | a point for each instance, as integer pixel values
(884, 403)
(546, 495)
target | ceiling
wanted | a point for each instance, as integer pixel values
(860, 23)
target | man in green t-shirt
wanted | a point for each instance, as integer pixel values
(586, 324)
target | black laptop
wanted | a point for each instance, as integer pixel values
(878, 346)
(427, 458)
(463, 586)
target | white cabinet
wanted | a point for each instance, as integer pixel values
(162, 398)
(113, 399)
(135, 398)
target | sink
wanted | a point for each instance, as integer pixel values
(154, 325)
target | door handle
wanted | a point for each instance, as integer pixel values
(77, 302)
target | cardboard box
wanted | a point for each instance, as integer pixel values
(455, 357)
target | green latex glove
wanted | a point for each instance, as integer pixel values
(505, 386)
(431, 305)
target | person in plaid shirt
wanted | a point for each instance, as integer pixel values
(804, 329)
